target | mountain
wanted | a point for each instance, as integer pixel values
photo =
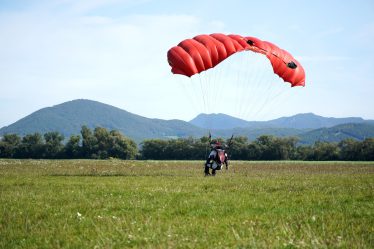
(299, 121)
(218, 121)
(311, 121)
(357, 131)
(253, 133)
(68, 118)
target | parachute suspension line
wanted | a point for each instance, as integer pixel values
(247, 86)
(269, 86)
(202, 93)
(274, 88)
(186, 92)
(239, 85)
(214, 87)
(250, 82)
(207, 145)
(209, 91)
(263, 90)
(219, 84)
(219, 89)
(266, 93)
(204, 85)
(255, 84)
(282, 95)
(268, 98)
(269, 82)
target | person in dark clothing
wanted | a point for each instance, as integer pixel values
(216, 159)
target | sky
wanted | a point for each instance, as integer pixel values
(114, 52)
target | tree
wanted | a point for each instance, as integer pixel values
(103, 142)
(324, 151)
(239, 149)
(254, 151)
(32, 146)
(72, 147)
(285, 148)
(153, 149)
(368, 149)
(350, 149)
(265, 144)
(304, 153)
(89, 143)
(8, 145)
(122, 147)
(53, 147)
(198, 149)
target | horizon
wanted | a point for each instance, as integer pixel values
(114, 52)
(206, 114)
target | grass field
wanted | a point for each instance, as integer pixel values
(169, 204)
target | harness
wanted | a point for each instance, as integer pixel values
(218, 160)
(220, 155)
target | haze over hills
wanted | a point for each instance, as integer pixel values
(298, 121)
(68, 118)
(357, 131)
(218, 121)
(313, 121)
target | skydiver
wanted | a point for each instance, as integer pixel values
(216, 158)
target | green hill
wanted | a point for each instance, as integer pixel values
(337, 133)
(312, 121)
(218, 121)
(68, 118)
(253, 133)
(298, 121)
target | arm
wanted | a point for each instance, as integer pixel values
(226, 161)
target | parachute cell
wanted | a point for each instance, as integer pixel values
(193, 56)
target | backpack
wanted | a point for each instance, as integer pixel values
(220, 156)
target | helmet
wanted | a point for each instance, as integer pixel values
(215, 144)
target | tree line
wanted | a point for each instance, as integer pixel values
(103, 144)
(265, 147)
(97, 144)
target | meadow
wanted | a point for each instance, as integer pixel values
(170, 204)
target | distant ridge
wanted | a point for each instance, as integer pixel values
(218, 121)
(312, 121)
(298, 121)
(68, 118)
(356, 131)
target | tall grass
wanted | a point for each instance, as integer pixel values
(169, 204)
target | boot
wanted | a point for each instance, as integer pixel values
(213, 172)
(206, 170)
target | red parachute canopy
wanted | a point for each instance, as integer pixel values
(195, 55)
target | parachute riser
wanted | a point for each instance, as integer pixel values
(290, 64)
(208, 145)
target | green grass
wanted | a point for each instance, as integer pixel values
(169, 204)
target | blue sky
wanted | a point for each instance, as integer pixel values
(115, 52)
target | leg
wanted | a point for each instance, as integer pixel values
(206, 170)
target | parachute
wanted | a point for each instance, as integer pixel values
(193, 56)
(235, 75)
